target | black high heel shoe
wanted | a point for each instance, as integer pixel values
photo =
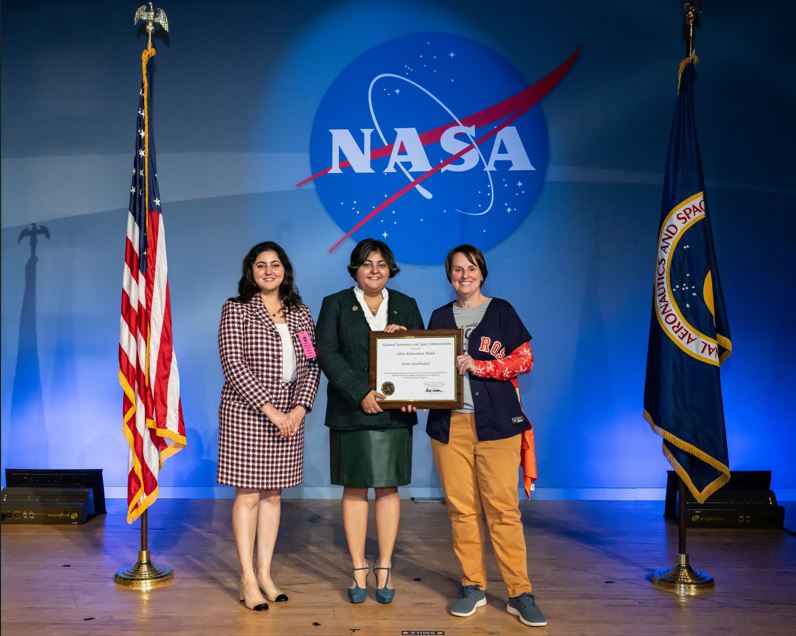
(252, 605)
(281, 597)
(384, 594)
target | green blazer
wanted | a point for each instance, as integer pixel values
(343, 338)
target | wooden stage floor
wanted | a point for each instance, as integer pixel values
(588, 562)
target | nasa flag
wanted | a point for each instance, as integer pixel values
(689, 333)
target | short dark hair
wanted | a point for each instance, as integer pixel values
(247, 288)
(363, 249)
(472, 253)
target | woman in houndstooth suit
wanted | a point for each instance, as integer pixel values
(266, 342)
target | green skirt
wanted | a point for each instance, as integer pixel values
(371, 459)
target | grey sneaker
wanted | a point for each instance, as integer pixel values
(524, 607)
(470, 598)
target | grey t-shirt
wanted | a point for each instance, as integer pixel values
(467, 319)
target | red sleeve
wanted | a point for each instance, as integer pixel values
(516, 363)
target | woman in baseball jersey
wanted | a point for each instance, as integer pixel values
(369, 447)
(266, 342)
(477, 448)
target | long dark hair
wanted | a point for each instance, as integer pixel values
(248, 289)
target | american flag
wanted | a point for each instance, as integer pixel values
(152, 412)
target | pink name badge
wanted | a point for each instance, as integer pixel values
(306, 344)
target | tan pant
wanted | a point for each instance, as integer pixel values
(480, 476)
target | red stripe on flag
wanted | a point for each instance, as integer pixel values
(163, 371)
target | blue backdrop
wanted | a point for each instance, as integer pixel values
(237, 92)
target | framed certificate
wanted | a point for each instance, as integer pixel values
(416, 367)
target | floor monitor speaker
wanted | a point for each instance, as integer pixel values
(746, 501)
(60, 478)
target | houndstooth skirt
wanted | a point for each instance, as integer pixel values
(250, 453)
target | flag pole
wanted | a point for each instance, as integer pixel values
(143, 574)
(691, 12)
(682, 579)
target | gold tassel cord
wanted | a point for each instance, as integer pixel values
(148, 53)
(691, 59)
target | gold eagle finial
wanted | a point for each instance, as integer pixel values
(151, 17)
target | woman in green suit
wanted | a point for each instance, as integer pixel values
(369, 447)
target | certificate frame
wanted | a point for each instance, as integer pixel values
(421, 401)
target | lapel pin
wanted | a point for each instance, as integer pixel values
(354, 308)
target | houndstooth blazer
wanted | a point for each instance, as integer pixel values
(251, 357)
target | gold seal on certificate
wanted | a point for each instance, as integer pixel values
(417, 368)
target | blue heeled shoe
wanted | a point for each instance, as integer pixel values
(358, 594)
(384, 594)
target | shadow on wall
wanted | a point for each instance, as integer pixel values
(194, 467)
(27, 426)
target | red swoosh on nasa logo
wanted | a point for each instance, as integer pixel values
(511, 108)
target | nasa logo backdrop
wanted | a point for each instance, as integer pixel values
(428, 141)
